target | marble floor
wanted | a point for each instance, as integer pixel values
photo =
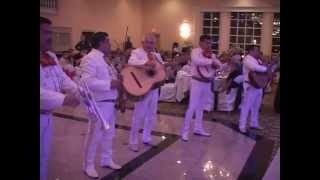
(227, 154)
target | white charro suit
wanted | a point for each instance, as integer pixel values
(98, 75)
(252, 96)
(199, 92)
(145, 109)
(52, 82)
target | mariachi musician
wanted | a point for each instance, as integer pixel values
(145, 109)
(56, 90)
(201, 57)
(101, 78)
(252, 95)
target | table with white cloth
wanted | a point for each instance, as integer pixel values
(176, 92)
(183, 84)
(217, 88)
(183, 80)
(226, 100)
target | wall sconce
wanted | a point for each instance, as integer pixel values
(185, 30)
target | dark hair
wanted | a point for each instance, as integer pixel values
(204, 37)
(251, 47)
(175, 44)
(44, 20)
(97, 38)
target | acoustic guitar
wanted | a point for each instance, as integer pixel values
(138, 81)
(261, 79)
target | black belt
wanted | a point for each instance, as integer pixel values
(108, 100)
(201, 79)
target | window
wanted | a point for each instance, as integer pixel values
(210, 27)
(276, 33)
(245, 29)
(61, 39)
(48, 6)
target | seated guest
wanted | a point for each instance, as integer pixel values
(175, 50)
(225, 61)
(183, 59)
(127, 54)
(128, 44)
(187, 68)
(165, 56)
(236, 55)
(170, 74)
(116, 58)
(235, 77)
(236, 70)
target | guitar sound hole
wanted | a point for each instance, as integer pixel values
(150, 72)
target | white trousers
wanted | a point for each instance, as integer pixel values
(251, 103)
(200, 94)
(144, 110)
(98, 136)
(46, 129)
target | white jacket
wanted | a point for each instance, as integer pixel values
(53, 81)
(98, 75)
(197, 59)
(139, 57)
(251, 64)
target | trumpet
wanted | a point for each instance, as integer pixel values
(90, 103)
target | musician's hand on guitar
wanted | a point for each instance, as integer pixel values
(71, 100)
(116, 84)
(215, 66)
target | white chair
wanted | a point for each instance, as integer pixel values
(168, 92)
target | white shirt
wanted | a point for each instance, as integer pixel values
(52, 82)
(139, 57)
(98, 75)
(251, 64)
(197, 59)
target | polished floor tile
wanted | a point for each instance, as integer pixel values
(221, 156)
(215, 157)
(67, 150)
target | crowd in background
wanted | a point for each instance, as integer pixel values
(179, 57)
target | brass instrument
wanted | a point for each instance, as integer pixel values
(89, 101)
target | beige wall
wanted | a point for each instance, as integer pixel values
(162, 16)
(112, 16)
(167, 15)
